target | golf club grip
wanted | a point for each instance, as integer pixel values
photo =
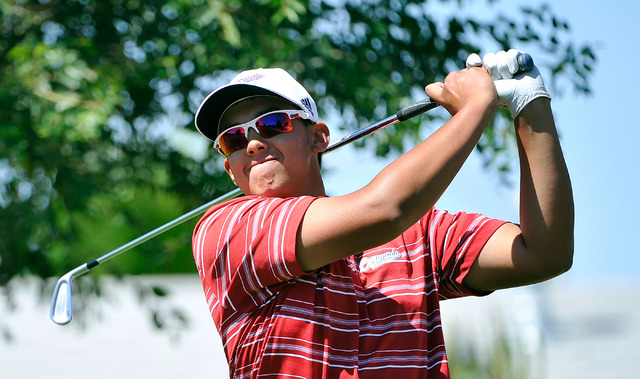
(415, 109)
(525, 63)
(61, 306)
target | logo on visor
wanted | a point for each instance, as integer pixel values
(307, 104)
(250, 78)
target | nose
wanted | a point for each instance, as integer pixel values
(255, 143)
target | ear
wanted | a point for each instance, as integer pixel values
(320, 137)
(227, 168)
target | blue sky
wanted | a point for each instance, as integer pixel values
(599, 137)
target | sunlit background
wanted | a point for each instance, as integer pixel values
(584, 324)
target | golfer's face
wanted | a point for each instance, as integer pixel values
(274, 166)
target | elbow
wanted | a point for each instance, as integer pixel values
(560, 262)
(564, 265)
(552, 253)
(564, 254)
(567, 262)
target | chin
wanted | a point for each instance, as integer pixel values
(277, 190)
(268, 189)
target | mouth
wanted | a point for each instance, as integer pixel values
(268, 159)
(262, 162)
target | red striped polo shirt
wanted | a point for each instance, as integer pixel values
(372, 315)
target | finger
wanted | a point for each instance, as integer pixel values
(505, 90)
(474, 60)
(502, 65)
(512, 60)
(434, 91)
(490, 63)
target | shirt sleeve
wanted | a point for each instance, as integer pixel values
(245, 249)
(455, 241)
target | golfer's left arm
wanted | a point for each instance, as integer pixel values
(542, 246)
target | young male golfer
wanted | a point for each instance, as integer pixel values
(302, 285)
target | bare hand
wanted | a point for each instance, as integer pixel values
(468, 86)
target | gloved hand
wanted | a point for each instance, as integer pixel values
(515, 90)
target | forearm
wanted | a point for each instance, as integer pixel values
(336, 227)
(546, 200)
(427, 170)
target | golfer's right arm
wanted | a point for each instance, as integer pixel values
(337, 227)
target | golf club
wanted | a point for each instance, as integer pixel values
(61, 304)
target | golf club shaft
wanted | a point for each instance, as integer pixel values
(403, 114)
(61, 305)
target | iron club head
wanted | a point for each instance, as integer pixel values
(61, 304)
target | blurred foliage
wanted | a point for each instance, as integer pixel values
(97, 144)
(505, 339)
(500, 359)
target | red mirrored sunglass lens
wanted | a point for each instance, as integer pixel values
(267, 126)
(272, 124)
(232, 140)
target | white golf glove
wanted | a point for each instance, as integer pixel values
(514, 92)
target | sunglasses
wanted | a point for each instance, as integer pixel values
(268, 125)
